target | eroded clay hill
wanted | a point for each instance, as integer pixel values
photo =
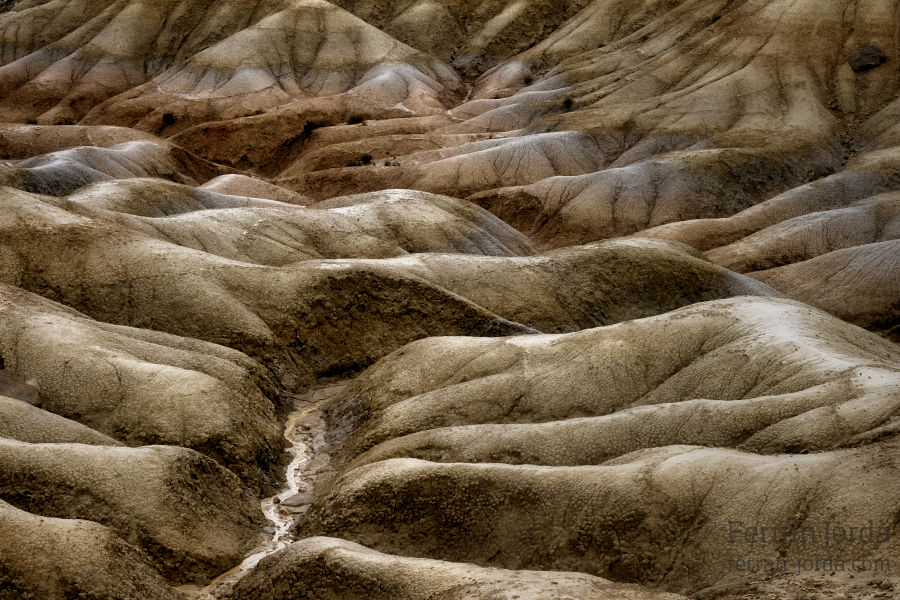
(598, 280)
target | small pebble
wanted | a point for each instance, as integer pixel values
(299, 499)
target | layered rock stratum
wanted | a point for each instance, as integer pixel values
(577, 299)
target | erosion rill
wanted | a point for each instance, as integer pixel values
(428, 299)
(308, 453)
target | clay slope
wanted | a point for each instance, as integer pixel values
(27, 423)
(864, 177)
(85, 558)
(621, 116)
(65, 56)
(674, 80)
(59, 160)
(621, 458)
(258, 231)
(157, 511)
(309, 48)
(136, 385)
(315, 317)
(660, 517)
(859, 284)
(829, 242)
(473, 35)
(193, 517)
(599, 273)
(171, 61)
(352, 571)
(650, 362)
(253, 187)
(703, 123)
(871, 220)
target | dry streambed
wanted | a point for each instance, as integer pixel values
(308, 458)
(547, 466)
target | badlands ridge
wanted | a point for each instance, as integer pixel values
(547, 297)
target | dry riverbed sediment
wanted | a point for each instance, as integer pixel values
(308, 457)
